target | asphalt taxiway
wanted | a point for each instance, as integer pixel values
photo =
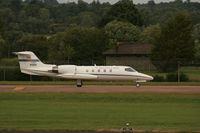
(100, 89)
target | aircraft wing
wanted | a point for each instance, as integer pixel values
(77, 76)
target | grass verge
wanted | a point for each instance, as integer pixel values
(50, 111)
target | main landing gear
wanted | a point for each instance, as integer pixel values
(79, 83)
(137, 84)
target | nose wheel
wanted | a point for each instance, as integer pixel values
(79, 83)
(138, 85)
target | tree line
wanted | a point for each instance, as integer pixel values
(80, 32)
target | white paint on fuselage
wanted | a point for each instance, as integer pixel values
(91, 73)
(30, 64)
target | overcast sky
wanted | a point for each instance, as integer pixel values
(114, 1)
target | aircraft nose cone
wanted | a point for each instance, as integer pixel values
(150, 77)
(146, 77)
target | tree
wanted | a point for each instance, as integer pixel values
(88, 44)
(80, 44)
(2, 47)
(57, 44)
(196, 32)
(151, 33)
(178, 1)
(35, 26)
(51, 2)
(16, 5)
(151, 3)
(197, 50)
(44, 14)
(6, 17)
(11, 38)
(175, 43)
(82, 5)
(124, 10)
(188, 1)
(32, 9)
(121, 32)
(87, 19)
(35, 43)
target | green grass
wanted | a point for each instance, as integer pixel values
(177, 112)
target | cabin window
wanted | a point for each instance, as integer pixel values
(130, 69)
(33, 64)
(104, 70)
(98, 70)
(92, 70)
(86, 70)
(110, 70)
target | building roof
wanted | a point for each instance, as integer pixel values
(130, 49)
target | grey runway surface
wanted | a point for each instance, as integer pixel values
(100, 89)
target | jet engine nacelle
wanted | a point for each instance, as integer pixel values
(66, 69)
(69, 72)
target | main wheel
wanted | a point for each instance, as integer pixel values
(79, 83)
(137, 84)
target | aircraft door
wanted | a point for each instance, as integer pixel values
(75, 70)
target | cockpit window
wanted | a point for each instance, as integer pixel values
(129, 69)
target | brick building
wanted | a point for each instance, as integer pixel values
(136, 55)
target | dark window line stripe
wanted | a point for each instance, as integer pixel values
(118, 75)
(112, 75)
(27, 60)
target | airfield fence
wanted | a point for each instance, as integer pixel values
(189, 72)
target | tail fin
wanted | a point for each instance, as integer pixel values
(28, 59)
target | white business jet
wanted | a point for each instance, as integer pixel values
(30, 64)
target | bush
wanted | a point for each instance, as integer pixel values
(183, 77)
(9, 62)
(173, 77)
(158, 78)
(12, 74)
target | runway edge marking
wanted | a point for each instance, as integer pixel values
(19, 88)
